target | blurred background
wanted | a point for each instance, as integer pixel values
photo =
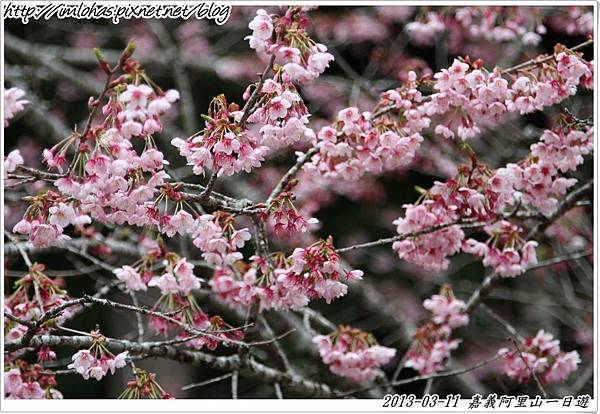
(374, 48)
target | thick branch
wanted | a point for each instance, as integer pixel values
(251, 370)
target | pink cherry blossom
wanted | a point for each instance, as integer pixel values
(13, 103)
(131, 278)
(543, 356)
(82, 361)
(12, 381)
(352, 354)
(12, 160)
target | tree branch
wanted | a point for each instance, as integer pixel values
(424, 377)
(380, 242)
(250, 370)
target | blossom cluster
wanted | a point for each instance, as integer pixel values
(113, 188)
(34, 294)
(104, 186)
(46, 218)
(29, 382)
(430, 250)
(537, 182)
(178, 276)
(289, 283)
(505, 252)
(501, 24)
(353, 147)
(219, 241)
(428, 228)
(283, 115)
(576, 21)
(176, 285)
(13, 104)
(352, 354)
(211, 330)
(301, 59)
(107, 180)
(477, 193)
(467, 96)
(493, 24)
(285, 217)
(223, 146)
(432, 344)
(424, 32)
(138, 108)
(542, 355)
(97, 362)
(144, 386)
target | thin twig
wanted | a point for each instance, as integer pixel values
(22, 251)
(402, 362)
(388, 240)
(234, 385)
(249, 107)
(538, 61)
(290, 174)
(423, 377)
(505, 324)
(278, 392)
(533, 374)
(492, 280)
(187, 328)
(207, 382)
(138, 316)
(209, 186)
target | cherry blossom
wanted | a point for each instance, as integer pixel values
(222, 146)
(35, 294)
(423, 33)
(179, 277)
(144, 386)
(249, 227)
(432, 343)
(219, 241)
(352, 353)
(13, 103)
(447, 310)
(131, 278)
(97, 361)
(29, 381)
(537, 181)
(515, 255)
(543, 355)
(285, 217)
(300, 58)
(477, 23)
(12, 160)
(309, 273)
